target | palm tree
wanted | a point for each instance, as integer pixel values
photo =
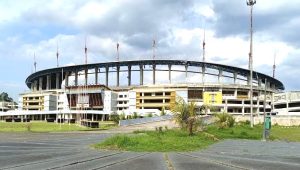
(185, 115)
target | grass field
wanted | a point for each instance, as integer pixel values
(286, 133)
(39, 126)
(177, 140)
(152, 141)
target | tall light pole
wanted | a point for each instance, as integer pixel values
(251, 3)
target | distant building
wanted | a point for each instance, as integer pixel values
(85, 91)
(287, 103)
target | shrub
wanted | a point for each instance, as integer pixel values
(122, 116)
(150, 115)
(224, 120)
(247, 122)
(135, 115)
(162, 113)
(230, 121)
(114, 117)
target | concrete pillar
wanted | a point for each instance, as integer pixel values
(141, 75)
(66, 79)
(243, 107)
(35, 85)
(248, 80)
(32, 86)
(259, 82)
(186, 70)
(96, 75)
(106, 75)
(86, 71)
(57, 82)
(234, 78)
(40, 83)
(273, 86)
(76, 78)
(48, 82)
(118, 76)
(203, 74)
(129, 75)
(220, 76)
(170, 78)
(154, 68)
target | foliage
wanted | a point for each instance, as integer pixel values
(114, 117)
(185, 115)
(135, 115)
(5, 98)
(162, 112)
(224, 120)
(122, 116)
(180, 140)
(156, 141)
(149, 115)
(204, 108)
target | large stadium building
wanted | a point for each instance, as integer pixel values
(94, 91)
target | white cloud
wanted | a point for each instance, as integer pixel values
(177, 26)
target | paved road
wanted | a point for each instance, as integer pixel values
(72, 151)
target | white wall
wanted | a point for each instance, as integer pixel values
(132, 100)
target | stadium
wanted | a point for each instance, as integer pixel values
(95, 91)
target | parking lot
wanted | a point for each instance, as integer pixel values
(73, 151)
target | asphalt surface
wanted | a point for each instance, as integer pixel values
(72, 151)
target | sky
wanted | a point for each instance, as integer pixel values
(38, 27)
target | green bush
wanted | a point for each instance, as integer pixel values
(135, 115)
(224, 120)
(122, 116)
(114, 117)
(247, 122)
(230, 121)
(162, 112)
(150, 115)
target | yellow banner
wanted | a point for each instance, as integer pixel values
(212, 98)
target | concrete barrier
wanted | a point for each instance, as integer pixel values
(275, 120)
(129, 122)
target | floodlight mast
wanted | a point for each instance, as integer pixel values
(251, 3)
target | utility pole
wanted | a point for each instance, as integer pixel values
(85, 51)
(118, 54)
(251, 3)
(274, 66)
(57, 54)
(34, 62)
(203, 47)
(265, 101)
(153, 48)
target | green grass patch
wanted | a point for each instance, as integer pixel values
(153, 141)
(178, 140)
(236, 132)
(286, 133)
(39, 126)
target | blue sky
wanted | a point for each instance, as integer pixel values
(37, 26)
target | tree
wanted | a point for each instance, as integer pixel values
(185, 115)
(5, 98)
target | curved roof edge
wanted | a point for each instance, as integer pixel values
(231, 69)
